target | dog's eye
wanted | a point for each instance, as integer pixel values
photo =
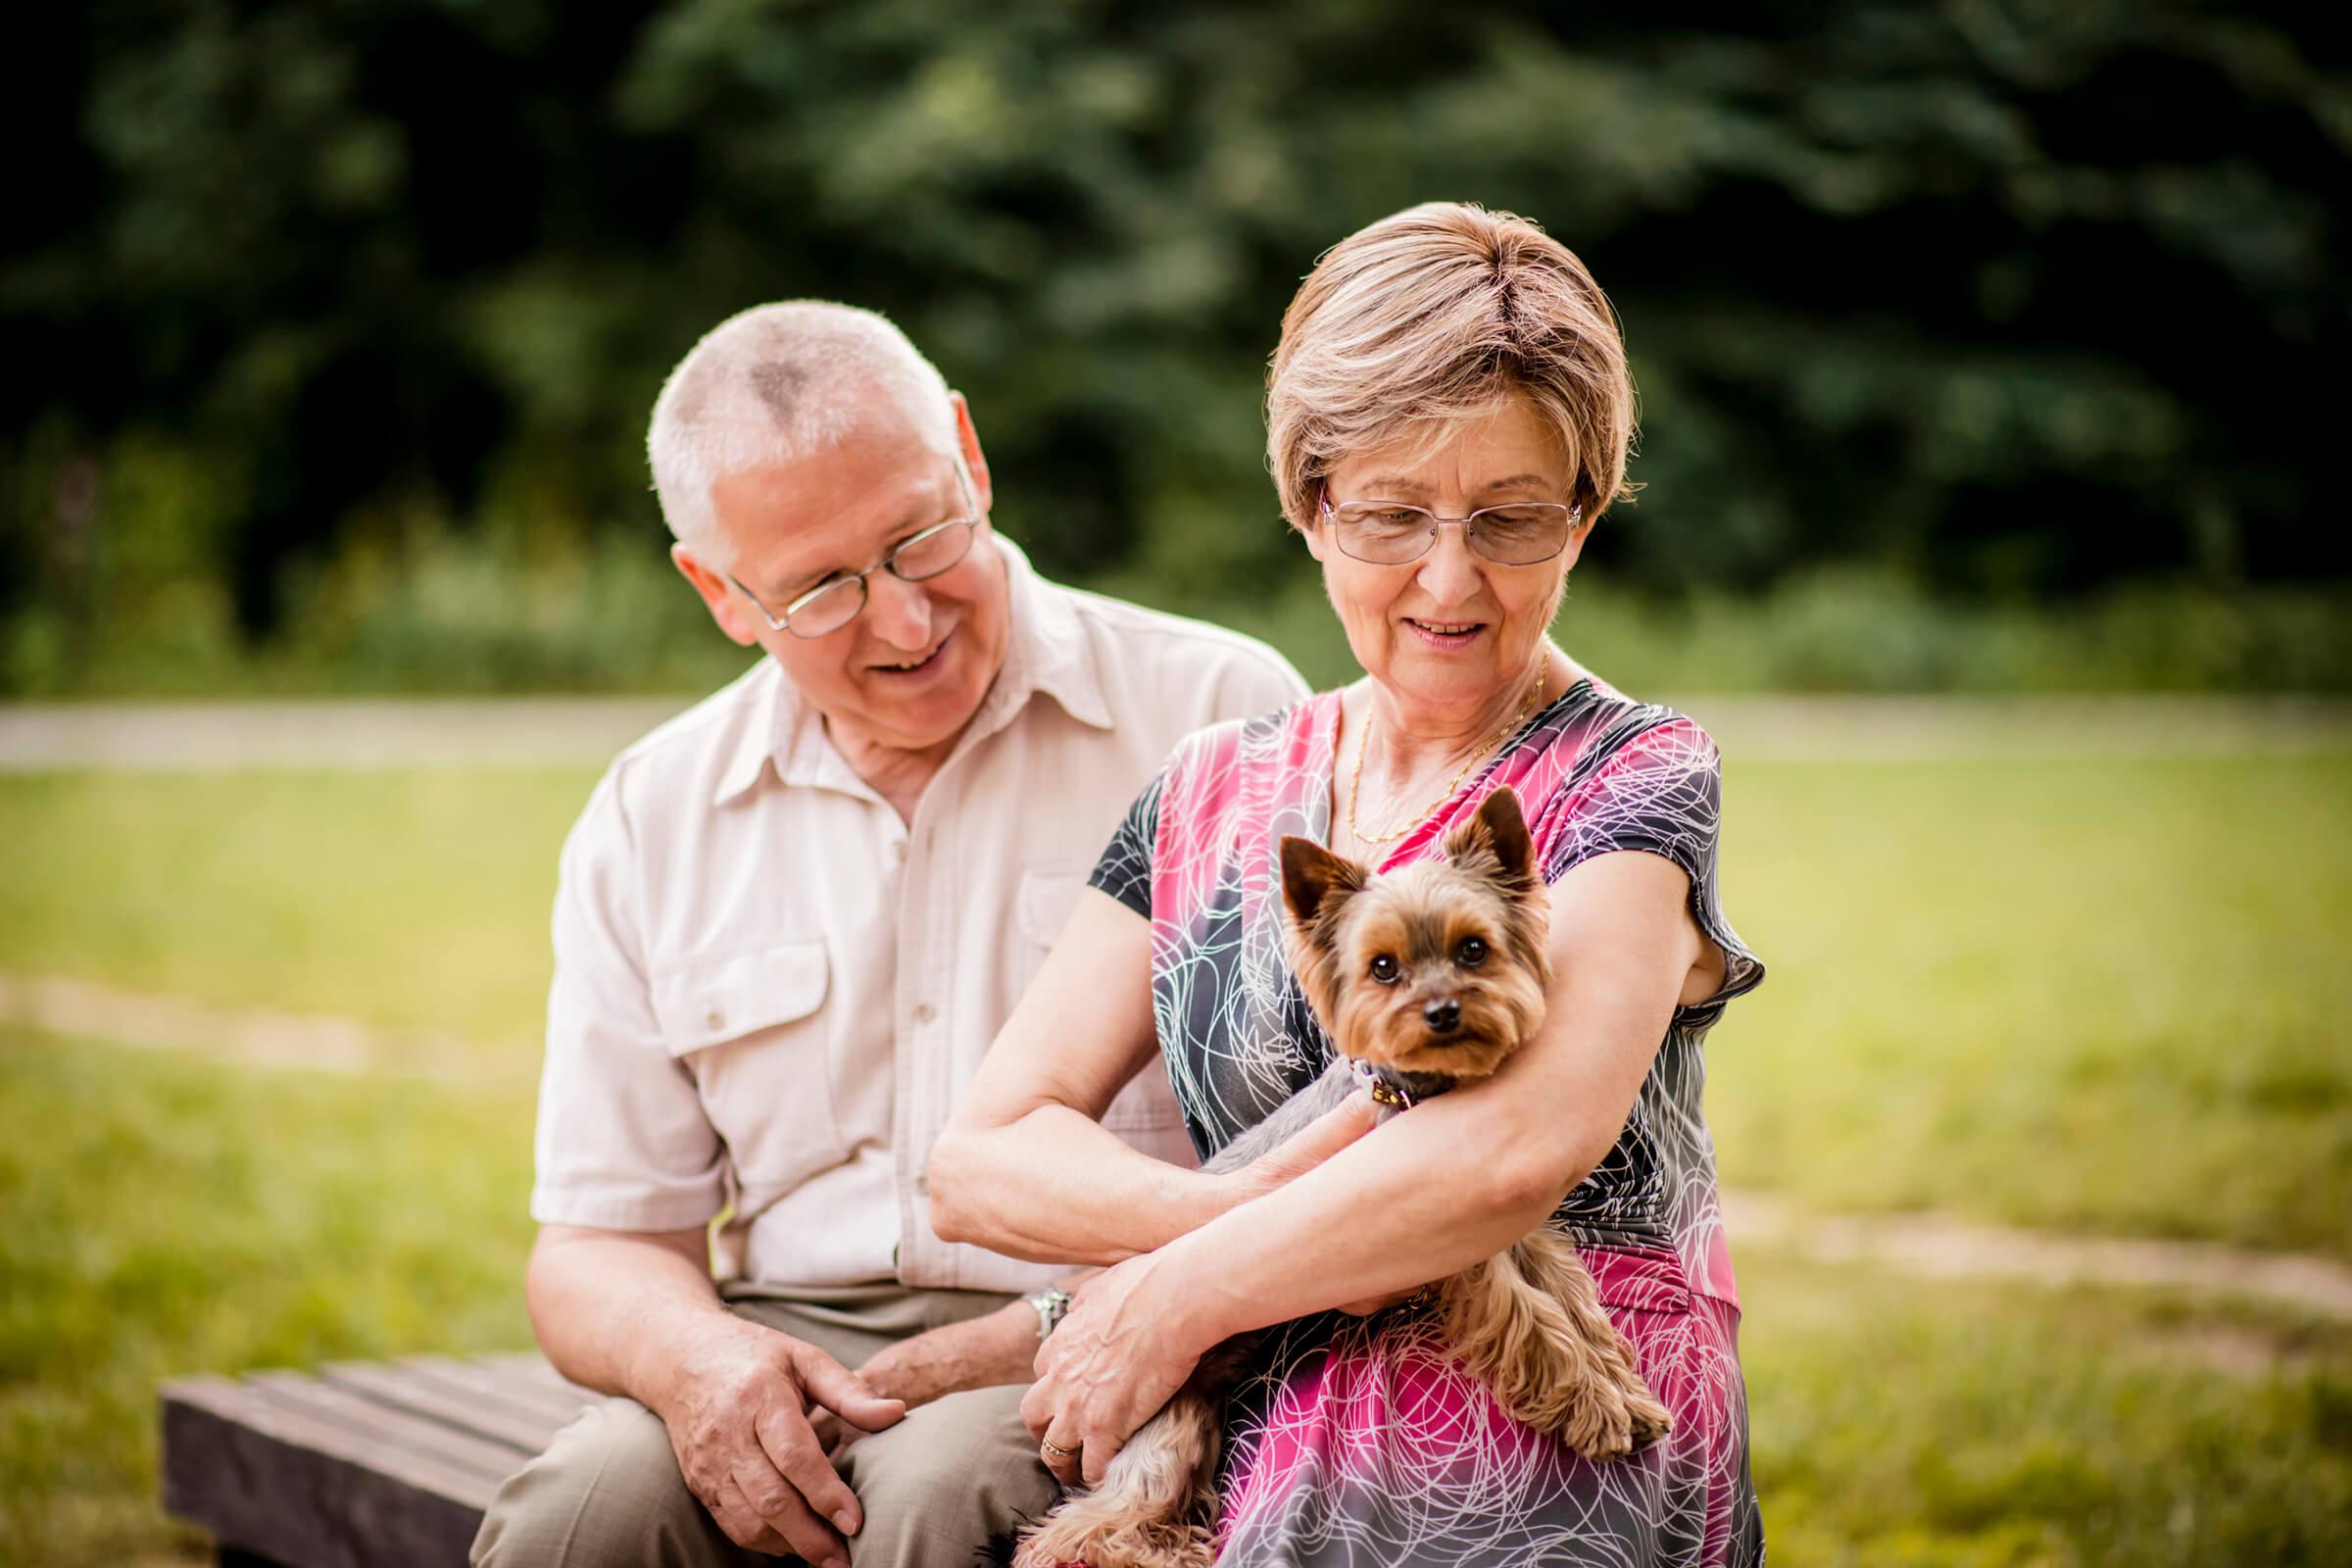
(1385, 970)
(1471, 954)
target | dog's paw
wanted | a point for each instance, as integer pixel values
(1105, 1537)
(1600, 1418)
(1597, 1423)
(1649, 1418)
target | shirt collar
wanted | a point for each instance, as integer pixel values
(1048, 651)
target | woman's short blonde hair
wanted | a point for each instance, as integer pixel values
(1434, 314)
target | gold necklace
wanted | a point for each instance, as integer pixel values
(1356, 778)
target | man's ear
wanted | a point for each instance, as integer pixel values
(975, 463)
(1314, 880)
(719, 596)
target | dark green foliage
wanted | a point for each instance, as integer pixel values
(2018, 301)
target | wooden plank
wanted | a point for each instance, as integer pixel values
(535, 1369)
(525, 1432)
(272, 1478)
(530, 1377)
(473, 1380)
(380, 1426)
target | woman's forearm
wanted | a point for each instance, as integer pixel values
(1054, 1187)
(1397, 1211)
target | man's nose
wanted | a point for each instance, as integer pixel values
(1443, 1015)
(899, 612)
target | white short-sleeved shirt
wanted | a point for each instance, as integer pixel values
(769, 990)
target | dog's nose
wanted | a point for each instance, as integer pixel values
(1441, 1016)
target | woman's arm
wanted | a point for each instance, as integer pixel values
(1024, 1166)
(1410, 1202)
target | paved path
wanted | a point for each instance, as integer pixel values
(1929, 1246)
(256, 1036)
(1940, 1246)
(586, 731)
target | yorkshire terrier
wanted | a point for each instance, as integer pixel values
(1425, 979)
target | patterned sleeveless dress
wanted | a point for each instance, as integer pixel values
(1352, 1442)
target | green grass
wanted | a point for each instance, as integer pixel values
(160, 1216)
(416, 899)
(2092, 993)
(1997, 1426)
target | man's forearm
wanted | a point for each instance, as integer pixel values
(982, 1353)
(614, 1310)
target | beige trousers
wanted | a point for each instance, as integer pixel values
(607, 1493)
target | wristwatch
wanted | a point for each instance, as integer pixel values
(1051, 1303)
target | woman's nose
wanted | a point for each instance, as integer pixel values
(1450, 572)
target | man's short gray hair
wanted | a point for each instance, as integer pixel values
(774, 384)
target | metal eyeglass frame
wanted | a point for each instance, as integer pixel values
(1470, 534)
(969, 522)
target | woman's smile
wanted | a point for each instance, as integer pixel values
(1447, 635)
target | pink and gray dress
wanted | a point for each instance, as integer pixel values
(1352, 1442)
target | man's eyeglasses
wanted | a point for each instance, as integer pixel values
(1389, 533)
(834, 603)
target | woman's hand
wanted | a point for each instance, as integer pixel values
(1110, 1366)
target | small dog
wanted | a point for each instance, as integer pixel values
(1425, 979)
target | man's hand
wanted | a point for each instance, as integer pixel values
(738, 1408)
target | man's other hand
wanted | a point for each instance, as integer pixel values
(738, 1410)
(980, 1353)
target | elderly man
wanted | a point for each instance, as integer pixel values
(788, 924)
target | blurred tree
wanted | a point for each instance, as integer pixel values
(2016, 297)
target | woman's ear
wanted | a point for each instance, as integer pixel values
(1313, 531)
(1575, 544)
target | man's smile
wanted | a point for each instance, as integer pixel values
(919, 664)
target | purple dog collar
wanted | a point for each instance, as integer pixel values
(1384, 1091)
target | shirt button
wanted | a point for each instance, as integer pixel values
(924, 1012)
(922, 1182)
(898, 849)
(715, 1019)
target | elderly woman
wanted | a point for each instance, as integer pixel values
(1449, 414)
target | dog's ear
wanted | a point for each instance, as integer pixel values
(1313, 878)
(1499, 829)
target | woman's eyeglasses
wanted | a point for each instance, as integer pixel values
(1389, 533)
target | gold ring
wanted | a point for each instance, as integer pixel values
(1056, 1448)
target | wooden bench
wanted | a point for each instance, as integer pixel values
(366, 1466)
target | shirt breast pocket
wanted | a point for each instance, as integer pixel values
(751, 1027)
